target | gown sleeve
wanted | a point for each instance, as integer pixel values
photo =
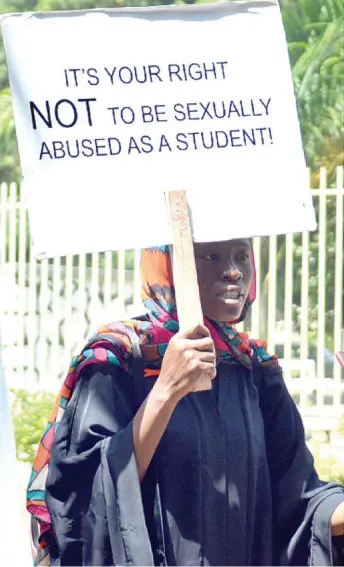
(93, 492)
(302, 504)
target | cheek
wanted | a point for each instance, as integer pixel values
(206, 279)
(248, 276)
(205, 284)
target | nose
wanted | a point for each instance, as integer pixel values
(233, 274)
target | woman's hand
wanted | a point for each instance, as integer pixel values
(189, 364)
(337, 521)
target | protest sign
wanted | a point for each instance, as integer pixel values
(115, 107)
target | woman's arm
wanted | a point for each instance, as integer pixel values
(189, 359)
(149, 425)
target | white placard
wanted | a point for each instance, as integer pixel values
(115, 107)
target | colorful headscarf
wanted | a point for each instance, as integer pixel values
(154, 335)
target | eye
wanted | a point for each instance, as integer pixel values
(211, 257)
(243, 257)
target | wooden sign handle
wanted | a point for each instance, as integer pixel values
(184, 268)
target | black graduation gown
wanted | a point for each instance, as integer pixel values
(231, 483)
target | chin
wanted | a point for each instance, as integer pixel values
(226, 316)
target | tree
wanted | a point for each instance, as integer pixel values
(9, 157)
(314, 30)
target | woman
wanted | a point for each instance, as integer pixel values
(146, 470)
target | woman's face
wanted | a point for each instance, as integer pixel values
(225, 272)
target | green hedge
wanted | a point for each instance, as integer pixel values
(30, 412)
(329, 469)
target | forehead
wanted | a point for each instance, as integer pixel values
(225, 247)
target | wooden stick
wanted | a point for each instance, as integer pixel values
(184, 268)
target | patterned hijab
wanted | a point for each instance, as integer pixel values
(154, 335)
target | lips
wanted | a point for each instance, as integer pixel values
(230, 295)
(231, 292)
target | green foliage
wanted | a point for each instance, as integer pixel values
(30, 412)
(328, 469)
(9, 156)
(314, 30)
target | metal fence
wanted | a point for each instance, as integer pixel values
(47, 308)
